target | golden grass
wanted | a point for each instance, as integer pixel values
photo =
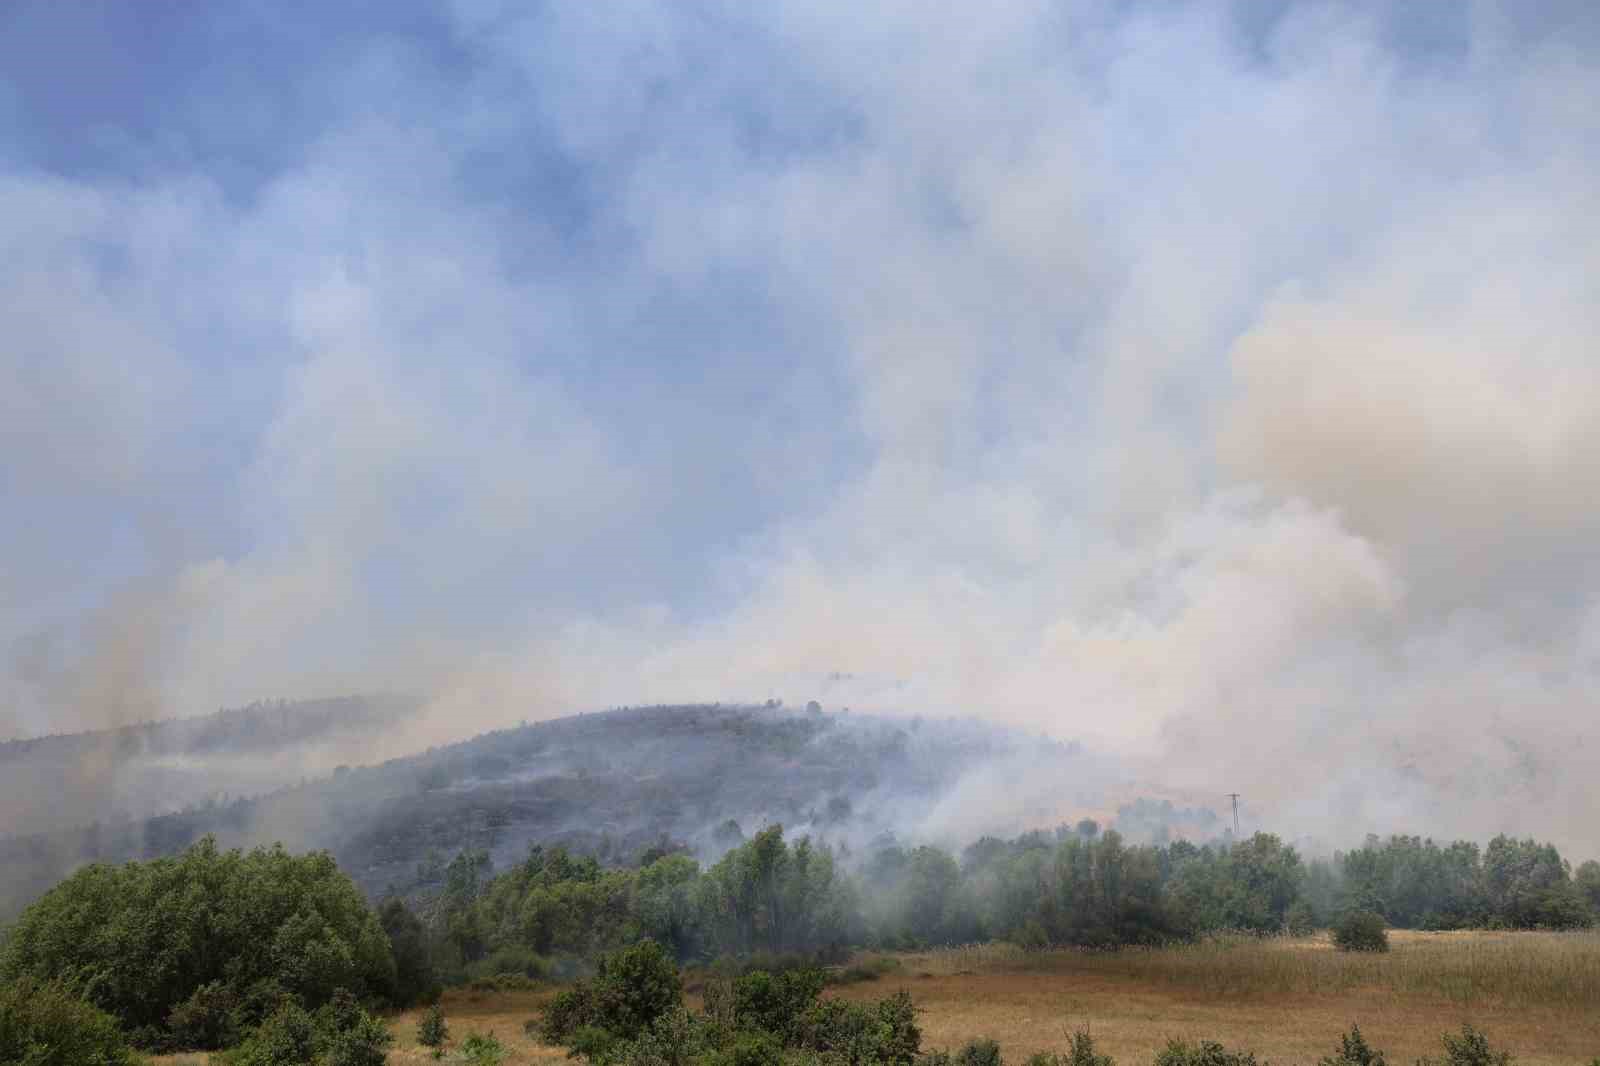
(1468, 968)
(1537, 994)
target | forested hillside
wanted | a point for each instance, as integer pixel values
(610, 784)
(142, 770)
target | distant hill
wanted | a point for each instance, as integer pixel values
(612, 784)
(153, 768)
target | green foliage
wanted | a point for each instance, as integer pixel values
(432, 1029)
(883, 1032)
(634, 987)
(1471, 1048)
(1202, 1053)
(1361, 930)
(1080, 1052)
(482, 1049)
(1354, 1051)
(1300, 919)
(361, 1041)
(340, 1033)
(288, 1037)
(208, 1019)
(182, 941)
(44, 1024)
(980, 1052)
(776, 1003)
(750, 1048)
(414, 978)
(593, 1043)
(630, 990)
(767, 895)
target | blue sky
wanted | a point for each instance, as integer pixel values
(1155, 372)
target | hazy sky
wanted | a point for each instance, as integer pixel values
(1216, 381)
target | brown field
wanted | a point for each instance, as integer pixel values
(1537, 994)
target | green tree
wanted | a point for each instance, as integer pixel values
(142, 939)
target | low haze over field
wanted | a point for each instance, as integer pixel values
(1216, 388)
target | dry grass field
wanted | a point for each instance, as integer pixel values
(1537, 994)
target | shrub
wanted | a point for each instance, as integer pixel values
(349, 1036)
(570, 1010)
(509, 960)
(593, 1043)
(433, 1031)
(45, 1025)
(776, 1003)
(866, 970)
(1361, 930)
(980, 1052)
(1204, 1053)
(208, 1019)
(288, 1037)
(751, 1049)
(482, 1049)
(631, 989)
(1354, 1051)
(676, 1039)
(883, 1032)
(1471, 1048)
(1080, 1052)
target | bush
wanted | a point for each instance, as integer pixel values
(482, 1049)
(593, 1043)
(1361, 930)
(1471, 1048)
(676, 1039)
(776, 1003)
(571, 1009)
(1354, 1051)
(287, 1038)
(1204, 1053)
(510, 960)
(883, 1032)
(45, 1025)
(1080, 1053)
(432, 1030)
(866, 970)
(208, 1019)
(980, 1052)
(341, 1033)
(631, 989)
(751, 1049)
(349, 1036)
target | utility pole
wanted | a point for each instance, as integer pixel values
(1235, 797)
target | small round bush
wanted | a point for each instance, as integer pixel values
(1361, 930)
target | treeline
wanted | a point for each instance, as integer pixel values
(1074, 887)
